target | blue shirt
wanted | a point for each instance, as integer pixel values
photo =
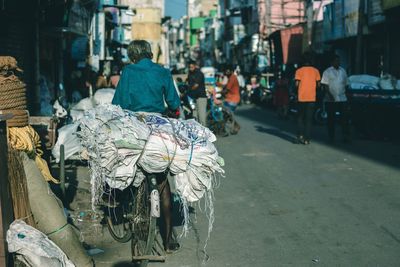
(144, 86)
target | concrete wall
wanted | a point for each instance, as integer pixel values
(147, 25)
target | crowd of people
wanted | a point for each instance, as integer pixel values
(304, 86)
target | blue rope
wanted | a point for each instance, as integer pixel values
(191, 154)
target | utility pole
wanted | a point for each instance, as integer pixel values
(309, 12)
(283, 12)
(360, 26)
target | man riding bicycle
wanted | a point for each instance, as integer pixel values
(145, 86)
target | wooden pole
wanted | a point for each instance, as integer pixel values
(6, 211)
(62, 170)
(359, 42)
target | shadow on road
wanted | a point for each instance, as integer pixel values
(380, 151)
(276, 132)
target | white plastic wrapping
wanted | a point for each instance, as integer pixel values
(364, 79)
(119, 141)
(67, 137)
(387, 82)
(34, 248)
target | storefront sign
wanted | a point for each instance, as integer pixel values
(387, 4)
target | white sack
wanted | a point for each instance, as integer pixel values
(79, 109)
(104, 96)
(118, 141)
(363, 86)
(387, 82)
(364, 79)
(35, 248)
(67, 137)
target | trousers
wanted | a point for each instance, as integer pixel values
(304, 119)
(200, 113)
(332, 108)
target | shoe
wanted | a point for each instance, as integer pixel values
(172, 247)
(306, 142)
(300, 140)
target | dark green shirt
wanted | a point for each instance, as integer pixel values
(144, 86)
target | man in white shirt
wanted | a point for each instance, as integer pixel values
(334, 80)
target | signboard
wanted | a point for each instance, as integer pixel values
(375, 12)
(387, 4)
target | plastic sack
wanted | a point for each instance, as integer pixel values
(363, 86)
(364, 79)
(79, 109)
(34, 248)
(67, 137)
(101, 97)
(104, 96)
(119, 141)
(387, 82)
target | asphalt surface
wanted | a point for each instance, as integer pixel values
(283, 204)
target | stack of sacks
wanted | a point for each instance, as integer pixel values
(364, 82)
(121, 143)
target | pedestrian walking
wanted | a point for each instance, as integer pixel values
(197, 91)
(334, 81)
(281, 96)
(232, 91)
(307, 81)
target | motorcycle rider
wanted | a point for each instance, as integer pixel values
(144, 86)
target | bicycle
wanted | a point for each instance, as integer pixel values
(220, 120)
(131, 215)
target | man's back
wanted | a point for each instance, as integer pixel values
(308, 77)
(233, 94)
(143, 87)
(196, 77)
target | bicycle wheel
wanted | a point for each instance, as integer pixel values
(144, 225)
(118, 217)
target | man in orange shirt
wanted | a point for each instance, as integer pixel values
(307, 81)
(232, 97)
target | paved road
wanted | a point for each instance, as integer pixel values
(282, 204)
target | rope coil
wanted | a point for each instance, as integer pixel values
(20, 119)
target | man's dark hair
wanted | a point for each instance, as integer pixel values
(192, 62)
(306, 58)
(138, 50)
(334, 57)
(229, 67)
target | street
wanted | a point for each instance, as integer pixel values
(282, 204)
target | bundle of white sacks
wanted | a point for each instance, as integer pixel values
(120, 143)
